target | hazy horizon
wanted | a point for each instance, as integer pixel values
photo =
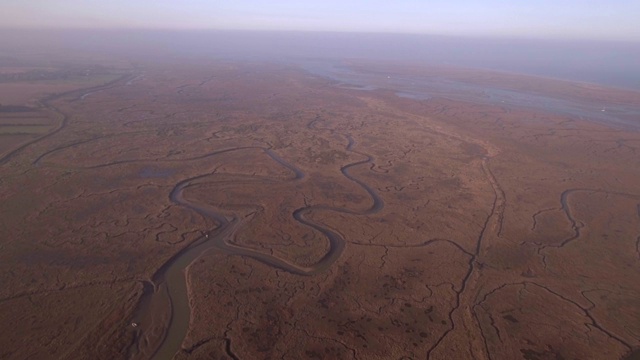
(591, 41)
(603, 62)
(575, 20)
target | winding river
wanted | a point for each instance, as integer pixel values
(163, 311)
(168, 285)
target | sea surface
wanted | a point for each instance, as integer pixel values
(608, 63)
(626, 116)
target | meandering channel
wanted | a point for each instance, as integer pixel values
(168, 285)
(47, 103)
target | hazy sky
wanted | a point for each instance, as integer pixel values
(585, 19)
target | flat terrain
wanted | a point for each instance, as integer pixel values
(243, 211)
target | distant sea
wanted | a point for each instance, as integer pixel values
(607, 63)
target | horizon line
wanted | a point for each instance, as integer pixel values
(325, 31)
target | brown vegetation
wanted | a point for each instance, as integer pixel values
(343, 223)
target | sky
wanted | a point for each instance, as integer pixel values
(562, 19)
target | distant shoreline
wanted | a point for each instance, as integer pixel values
(608, 63)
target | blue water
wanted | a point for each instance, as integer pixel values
(625, 116)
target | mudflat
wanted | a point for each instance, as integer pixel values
(257, 211)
